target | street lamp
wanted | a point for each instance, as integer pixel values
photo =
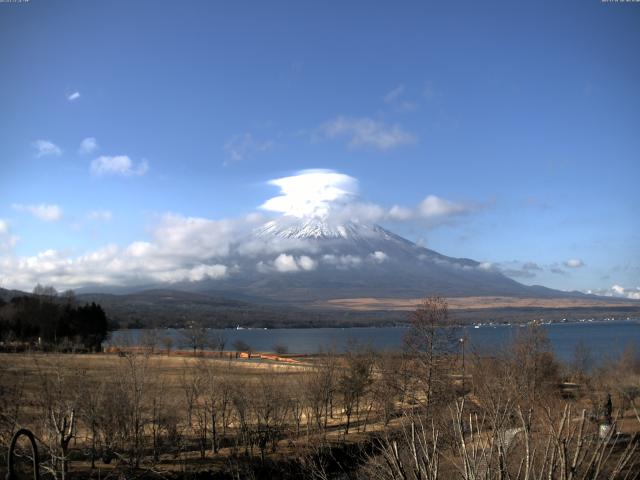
(462, 340)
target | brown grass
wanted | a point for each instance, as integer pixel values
(464, 303)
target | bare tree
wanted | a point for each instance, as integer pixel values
(353, 382)
(196, 394)
(167, 342)
(91, 396)
(532, 356)
(320, 389)
(45, 291)
(133, 383)
(388, 387)
(241, 401)
(12, 384)
(217, 341)
(59, 399)
(582, 361)
(558, 445)
(270, 407)
(149, 339)
(195, 336)
(280, 349)
(429, 339)
(160, 418)
(242, 346)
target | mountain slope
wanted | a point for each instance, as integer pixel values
(304, 260)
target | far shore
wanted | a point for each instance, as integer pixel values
(465, 303)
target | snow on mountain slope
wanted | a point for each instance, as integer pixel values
(313, 228)
(306, 259)
(354, 238)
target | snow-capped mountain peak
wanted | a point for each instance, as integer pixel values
(315, 228)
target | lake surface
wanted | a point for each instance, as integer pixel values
(605, 339)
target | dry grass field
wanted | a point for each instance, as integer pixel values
(358, 415)
(267, 392)
(464, 303)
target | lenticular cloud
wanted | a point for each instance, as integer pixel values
(311, 193)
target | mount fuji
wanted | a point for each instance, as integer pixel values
(323, 271)
(301, 260)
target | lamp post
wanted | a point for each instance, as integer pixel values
(462, 340)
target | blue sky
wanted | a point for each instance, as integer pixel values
(520, 119)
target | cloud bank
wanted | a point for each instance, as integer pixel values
(182, 248)
(617, 291)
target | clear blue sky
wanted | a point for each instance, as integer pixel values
(526, 115)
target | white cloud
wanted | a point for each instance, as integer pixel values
(195, 237)
(7, 240)
(357, 212)
(311, 193)
(517, 269)
(530, 269)
(574, 263)
(342, 261)
(395, 98)
(88, 145)
(487, 267)
(46, 212)
(434, 206)
(45, 147)
(331, 195)
(307, 263)
(634, 295)
(73, 96)
(252, 247)
(379, 256)
(617, 291)
(100, 215)
(434, 209)
(107, 266)
(531, 266)
(285, 263)
(394, 94)
(181, 249)
(118, 165)
(195, 274)
(398, 212)
(366, 132)
(241, 147)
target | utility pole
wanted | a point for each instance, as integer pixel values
(462, 341)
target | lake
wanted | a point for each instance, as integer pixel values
(604, 338)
